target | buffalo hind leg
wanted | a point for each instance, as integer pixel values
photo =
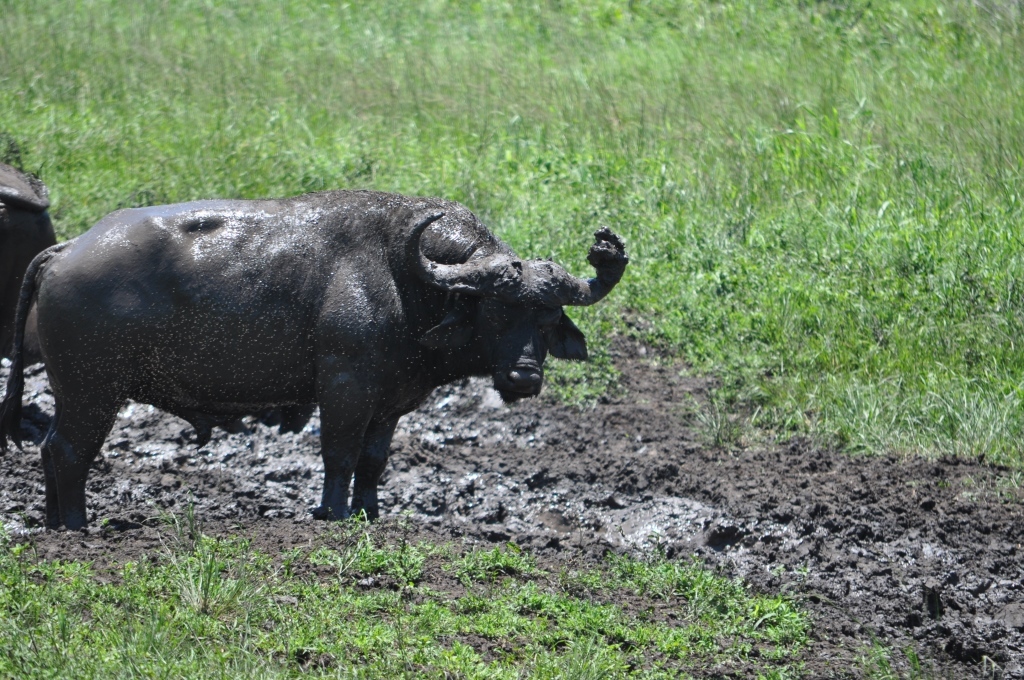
(372, 461)
(50, 479)
(75, 437)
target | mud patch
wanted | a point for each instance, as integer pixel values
(925, 554)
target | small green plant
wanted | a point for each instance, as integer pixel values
(717, 426)
(288, 560)
(186, 529)
(1012, 481)
(491, 565)
(990, 670)
(213, 579)
(364, 557)
(578, 581)
(585, 659)
(404, 562)
(882, 663)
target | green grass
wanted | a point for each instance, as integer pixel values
(493, 565)
(351, 606)
(822, 200)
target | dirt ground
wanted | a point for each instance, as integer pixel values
(925, 555)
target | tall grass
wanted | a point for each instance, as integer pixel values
(822, 200)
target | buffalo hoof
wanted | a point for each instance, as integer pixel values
(370, 513)
(73, 521)
(321, 512)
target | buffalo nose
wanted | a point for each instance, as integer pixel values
(524, 378)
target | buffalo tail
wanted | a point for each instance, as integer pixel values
(10, 408)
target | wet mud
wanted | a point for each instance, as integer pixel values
(921, 555)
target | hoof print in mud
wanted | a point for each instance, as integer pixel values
(933, 606)
(722, 536)
(1012, 616)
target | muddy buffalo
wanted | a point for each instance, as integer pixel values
(25, 230)
(361, 302)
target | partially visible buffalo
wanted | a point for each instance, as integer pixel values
(25, 229)
(362, 302)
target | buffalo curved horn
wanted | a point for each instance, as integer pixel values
(498, 274)
(21, 190)
(536, 282)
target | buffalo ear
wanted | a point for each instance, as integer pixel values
(565, 341)
(454, 330)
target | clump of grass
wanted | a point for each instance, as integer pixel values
(186, 529)
(717, 426)
(360, 555)
(584, 659)
(491, 565)
(215, 579)
(212, 577)
(882, 663)
(1012, 482)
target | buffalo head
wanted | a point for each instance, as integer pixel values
(508, 311)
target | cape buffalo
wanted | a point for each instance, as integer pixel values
(25, 229)
(362, 302)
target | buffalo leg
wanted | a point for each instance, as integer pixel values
(340, 451)
(71, 445)
(50, 479)
(372, 461)
(344, 417)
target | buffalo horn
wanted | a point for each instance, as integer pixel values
(498, 274)
(536, 282)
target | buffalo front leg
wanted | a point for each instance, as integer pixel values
(372, 461)
(344, 417)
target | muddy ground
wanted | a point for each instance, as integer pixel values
(918, 554)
